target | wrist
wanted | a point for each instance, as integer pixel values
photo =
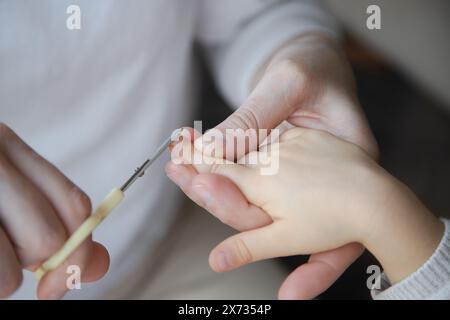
(403, 233)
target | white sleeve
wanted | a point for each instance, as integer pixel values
(240, 35)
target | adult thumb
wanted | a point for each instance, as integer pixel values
(272, 101)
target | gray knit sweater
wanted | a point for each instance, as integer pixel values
(431, 281)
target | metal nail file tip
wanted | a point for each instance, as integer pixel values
(139, 172)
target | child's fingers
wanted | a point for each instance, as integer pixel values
(220, 196)
(249, 246)
(244, 177)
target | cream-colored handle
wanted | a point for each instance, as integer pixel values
(87, 227)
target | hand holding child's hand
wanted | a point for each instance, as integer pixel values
(306, 83)
(317, 172)
(327, 193)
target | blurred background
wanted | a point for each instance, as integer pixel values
(403, 77)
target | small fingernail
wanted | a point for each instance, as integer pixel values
(222, 261)
(203, 194)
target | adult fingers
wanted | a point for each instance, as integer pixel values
(72, 206)
(319, 273)
(10, 269)
(277, 95)
(68, 200)
(27, 216)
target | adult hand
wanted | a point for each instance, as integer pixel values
(307, 83)
(39, 208)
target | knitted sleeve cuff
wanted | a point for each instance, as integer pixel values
(430, 281)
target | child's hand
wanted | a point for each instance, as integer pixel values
(327, 193)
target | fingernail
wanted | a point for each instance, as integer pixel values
(222, 261)
(203, 194)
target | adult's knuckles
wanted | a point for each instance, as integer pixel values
(48, 242)
(293, 73)
(4, 167)
(293, 78)
(5, 132)
(80, 205)
(244, 118)
(288, 69)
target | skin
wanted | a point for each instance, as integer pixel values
(306, 83)
(39, 207)
(327, 194)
